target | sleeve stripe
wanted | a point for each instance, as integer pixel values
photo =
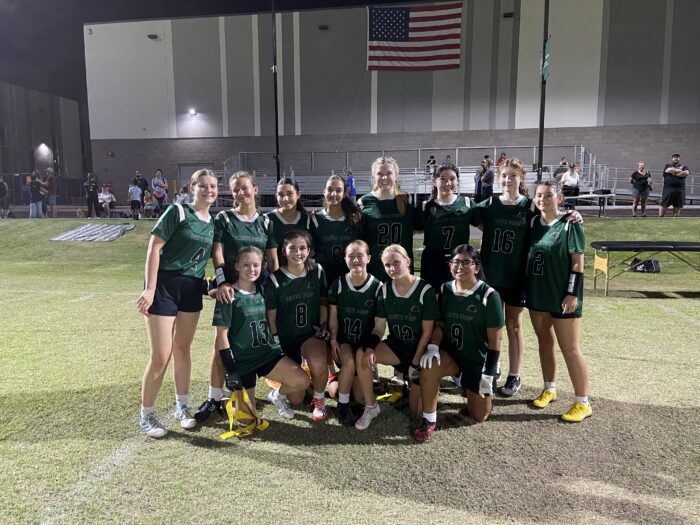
(422, 293)
(180, 211)
(489, 291)
(274, 280)
(314, 220)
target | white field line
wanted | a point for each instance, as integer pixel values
(3, 291)
(67, 501)
(681, 315)
(82, 298)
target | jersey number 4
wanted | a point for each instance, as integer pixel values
(353, 329)
(503, 241)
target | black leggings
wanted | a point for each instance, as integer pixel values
(93, 204)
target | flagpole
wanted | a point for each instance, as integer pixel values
(274, 84)
(543, 90)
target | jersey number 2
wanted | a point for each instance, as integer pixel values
(389, 234)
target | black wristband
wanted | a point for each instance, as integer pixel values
(370, 341)
(220, 275)
(574, 284)
(491, 366)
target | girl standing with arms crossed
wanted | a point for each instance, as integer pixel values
(240, 226)
(555, 298)
(407, 306)
(467, 341)
(250, 350)
(445, 224)
(334, 226)
(353, 307)
(177, 255)
(389, 215)
(297, 309)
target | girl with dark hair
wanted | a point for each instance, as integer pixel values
(388, 213)
(290, 213)
(242, 225)
(445, 224)
(466, 341)
(297, 309)
(334, 226)
(555, 298)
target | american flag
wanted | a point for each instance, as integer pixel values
(417, 38)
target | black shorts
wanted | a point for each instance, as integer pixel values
(673, 197)
(512, 296)
(559, 315)
(403, 351)
(470, 379)
(434, 267)
(292, 350)
(176, 293)
(249, 379)
(135, 205)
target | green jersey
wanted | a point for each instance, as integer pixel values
(448, 227)
(357, 307)
(249, 332)
(331, 236)
(505, 241)
(280, 226)
(297, 300)
(405, 313)
(385, 226)
(466, 317)
(549, 263)
(235, 232)
(188, 239)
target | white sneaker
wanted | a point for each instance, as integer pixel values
(151, 426)
(185, 417)
(281, 404)
(367, 416)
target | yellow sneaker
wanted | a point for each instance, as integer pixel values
(577, 413)
(545, 398)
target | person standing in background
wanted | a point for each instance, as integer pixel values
(350, 183)
(487, 181)
(141, 183)
(673, 193)
(501, 159)
(641, 186)
(91, 196)
(52, 191)
(35, 196)
(4, 206)
(135, 196)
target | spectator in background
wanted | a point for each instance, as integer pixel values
(107, 201)
(52, 191)
(36, 187)
(641, 186)
(4, 206)
(448, 160)
(563, 168)
(183, 197)
(149, 204)
(135, 196)
(478, 188)
(673, 193)
(91, 196)
(350, 184)
(501, 159)
(141, 183)
(430, 166)
(487, 181)
(570, 185)
(158, 186)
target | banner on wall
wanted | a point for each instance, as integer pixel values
(416, 38)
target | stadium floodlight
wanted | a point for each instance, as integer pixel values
(193, 112)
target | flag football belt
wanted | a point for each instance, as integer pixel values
(236, 416)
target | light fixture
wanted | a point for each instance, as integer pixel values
(193, 112)
(152, 36)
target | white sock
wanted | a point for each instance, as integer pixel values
(430, 416)
(516, 376)
(215, 393)
(147, 410)
(182, 400)
(552, 386)
(319, 395)
(583, 400)
(371, 407)
(344, 398)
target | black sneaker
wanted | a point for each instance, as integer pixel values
(207, 408)
(511, 387)
(345, 416)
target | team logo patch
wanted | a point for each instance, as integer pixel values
(414, 309)
(471, 309)
(369, 302)
(459, 212)
(555, 235)
(311, 285)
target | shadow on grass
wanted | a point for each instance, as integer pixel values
(519, 465)
(646, 294)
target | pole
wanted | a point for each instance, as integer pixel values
(543, 90)
(274, 84)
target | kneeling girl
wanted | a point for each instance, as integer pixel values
(466, 341)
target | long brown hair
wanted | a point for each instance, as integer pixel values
(352, 214)
(431, 205)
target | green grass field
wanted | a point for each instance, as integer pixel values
(73, 349)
